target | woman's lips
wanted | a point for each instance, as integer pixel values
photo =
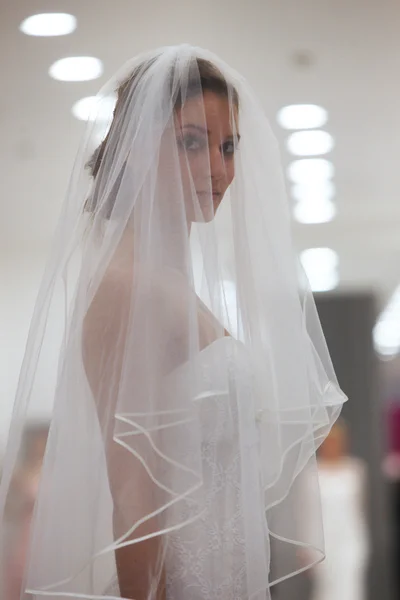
(215, 193)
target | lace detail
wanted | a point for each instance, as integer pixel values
(207, 559)
(113, 588)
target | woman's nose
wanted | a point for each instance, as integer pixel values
(217, 163)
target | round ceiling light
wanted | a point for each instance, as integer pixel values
(49, 24)
(76, 68)
(321, 267)
(94, 108)
(313, 213)
(387, 331)
(309, 170)
(313, 191)
(320, 258)
(310, 143)
(386, 336)
(302, 116)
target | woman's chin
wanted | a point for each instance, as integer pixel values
(205, 215)
(208, 208)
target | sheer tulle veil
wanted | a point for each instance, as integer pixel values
(178, 348)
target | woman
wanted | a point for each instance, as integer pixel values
(193, 382)
(343, 494)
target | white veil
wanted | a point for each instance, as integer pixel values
(185, 366)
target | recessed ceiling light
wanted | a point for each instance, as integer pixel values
(313, 191)
(320, 258)
(308, 170)
(99, 136)
(321, 267)
(76, 68)
(387, 330)
(324, 282)
(310, 143)
(302, 116)
(312, 213)
(48, 24)
(94, 108)
(386, 336)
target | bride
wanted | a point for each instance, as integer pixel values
(192, 385)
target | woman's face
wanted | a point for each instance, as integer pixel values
(207, 140)
(335, 445)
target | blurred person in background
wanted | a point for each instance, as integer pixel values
(182, 416)
(391, 471)
(343, 485)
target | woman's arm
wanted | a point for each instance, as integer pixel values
(139, 565)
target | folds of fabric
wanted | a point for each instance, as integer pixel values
(178, 350)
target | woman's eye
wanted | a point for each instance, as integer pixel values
(229, 148)
(191, 143)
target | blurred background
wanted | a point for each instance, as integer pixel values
(326, 74)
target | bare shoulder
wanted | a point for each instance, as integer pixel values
(121, 289)
(164, 299)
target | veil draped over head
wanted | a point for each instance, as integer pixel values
(176, 345)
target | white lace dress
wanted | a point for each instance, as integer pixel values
(211, 558)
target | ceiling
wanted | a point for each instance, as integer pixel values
(341, 54)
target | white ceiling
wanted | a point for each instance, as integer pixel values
(353, 48)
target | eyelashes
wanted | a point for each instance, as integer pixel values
(229, 148)
(193, 143)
